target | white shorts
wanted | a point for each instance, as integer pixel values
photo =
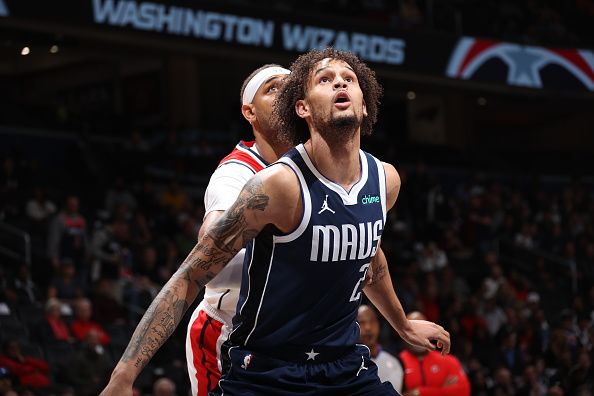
(206, 332)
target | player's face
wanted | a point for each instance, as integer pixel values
(369, 326)
(263, 100)
(334, 97)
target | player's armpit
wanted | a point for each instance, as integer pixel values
(393, 183)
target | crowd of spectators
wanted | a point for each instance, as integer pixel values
(505, 265)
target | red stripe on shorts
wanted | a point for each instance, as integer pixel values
(204, 333)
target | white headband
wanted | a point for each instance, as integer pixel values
(256, 81)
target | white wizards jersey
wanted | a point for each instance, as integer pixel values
(224, 187)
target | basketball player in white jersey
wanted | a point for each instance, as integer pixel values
(211, 321)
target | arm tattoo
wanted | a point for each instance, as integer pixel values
(157, 324)
(379, 272)
(220, 243)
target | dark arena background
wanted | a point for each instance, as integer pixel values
(114, 113)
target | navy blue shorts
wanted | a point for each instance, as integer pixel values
(249, 373)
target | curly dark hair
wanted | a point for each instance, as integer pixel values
(293, 128)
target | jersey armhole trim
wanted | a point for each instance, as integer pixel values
(381, 172)
(234, 161)
(305, 198)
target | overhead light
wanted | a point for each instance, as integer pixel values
(25, 51)
(481, 101)
(411, 95)
(54, 49)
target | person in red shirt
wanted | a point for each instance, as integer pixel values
(30, 371)
(429, 373)
(82, 325)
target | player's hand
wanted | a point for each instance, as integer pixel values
(422, 333)
(117, 389)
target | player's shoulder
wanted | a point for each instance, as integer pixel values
(230, 174)
(279, 179)
(244, 155)
(234, 167)
(391, 172)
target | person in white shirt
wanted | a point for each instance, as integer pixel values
(211, 322)
(389, 368)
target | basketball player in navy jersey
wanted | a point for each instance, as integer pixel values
(315, 239)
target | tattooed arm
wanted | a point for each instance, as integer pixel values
(381, 293)
(258, 204)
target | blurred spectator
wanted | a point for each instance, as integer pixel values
(410, 13)
(510, 355)
(164, 387)
(68, 235)
(581, 374)
(492, 314)
(22, 290)
(175, 198)
(188, 235)
(428, 300)
(137, 142)
(147, 267)
(503, 385)
(388, 367)
(89, 367)
(54, 329)
(107, 309)
(82, 323)
(432, 258)
(147, 197)
(140, 230)
(9, 187)
(39, 208)
(66, 286)
(430, 373)
(6, 383)
(30, 371)
(111, 252)
(119, 195)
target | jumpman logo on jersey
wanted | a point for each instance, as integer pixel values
(362, 366)
(325, 206)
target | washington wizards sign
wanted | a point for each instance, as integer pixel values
(521, 65)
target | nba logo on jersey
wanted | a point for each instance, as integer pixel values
(246, 361)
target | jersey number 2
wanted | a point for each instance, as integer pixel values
(356, 295)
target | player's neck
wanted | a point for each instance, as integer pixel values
(337, 161)
(267, 150)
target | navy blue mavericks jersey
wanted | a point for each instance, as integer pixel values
(304, 288)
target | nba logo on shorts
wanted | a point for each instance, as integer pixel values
(246, 361)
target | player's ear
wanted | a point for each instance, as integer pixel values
(248, 112)
(301, 108)
(364, 109)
